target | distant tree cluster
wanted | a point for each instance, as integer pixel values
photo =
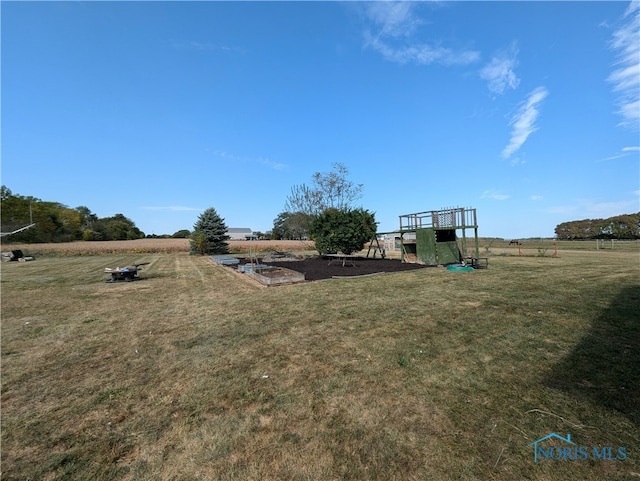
(55, 222)
(291, 226)
(625, 226)
(324, 212)
(328, 190)
(182, 234)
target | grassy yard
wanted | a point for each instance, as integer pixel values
(194, 373)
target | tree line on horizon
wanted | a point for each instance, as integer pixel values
(56, 222)
(331, 194)
(620, 227)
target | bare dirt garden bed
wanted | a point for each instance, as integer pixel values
(318, 268)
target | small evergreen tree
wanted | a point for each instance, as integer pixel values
(342, 230)
(209, 234)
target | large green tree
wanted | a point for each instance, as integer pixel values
(120, 227)
(328, 190)
(291, 226)
(117, 227)
(342, 230)
(209, 234)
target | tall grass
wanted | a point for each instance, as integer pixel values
(195, 373)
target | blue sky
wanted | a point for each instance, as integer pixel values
(527, 111)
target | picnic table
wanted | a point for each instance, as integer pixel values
(342, 258)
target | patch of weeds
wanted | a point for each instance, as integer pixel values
(33, 331)
(64, 464)
(404, 361)
(291, 438)
(108, 395)
(193, 342)
(119, 445)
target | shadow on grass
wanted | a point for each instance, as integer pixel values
(605, 366)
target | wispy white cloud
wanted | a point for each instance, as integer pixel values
(492, 194)
(390, 32)
(517, 160)
(624, 152)
(626, 74)
(224, 154)
(536, 198)
(610, 209)
(613, 157)
(562, 210)
(260, 160)
(171, 208)
(589, 209)
(524, 121)
(272, 164)
(394, 19)
(421, 54)
(499, 72)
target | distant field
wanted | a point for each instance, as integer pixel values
(547, 246)
(487, 247)
(140, 246)
(193, 373)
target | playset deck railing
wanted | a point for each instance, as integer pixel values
(450, 218)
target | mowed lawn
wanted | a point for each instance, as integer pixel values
(196, 373)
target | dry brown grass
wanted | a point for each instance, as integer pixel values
(194, 373)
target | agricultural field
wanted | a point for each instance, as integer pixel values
(486, 247)
(194, 372)
(142, 246)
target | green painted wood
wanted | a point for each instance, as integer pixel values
(447, 252)
(426, 246)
